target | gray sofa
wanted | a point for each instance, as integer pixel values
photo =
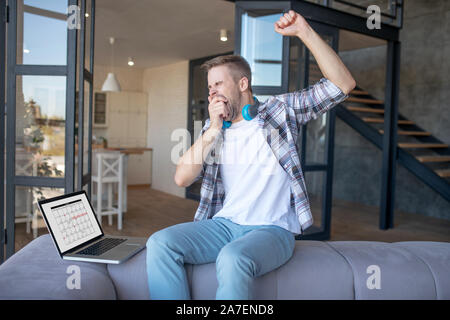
(317, 270)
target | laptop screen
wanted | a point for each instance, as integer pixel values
(70, 219)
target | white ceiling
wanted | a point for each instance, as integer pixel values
(160, 32)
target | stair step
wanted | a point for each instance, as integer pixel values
(433, 158)
(363, 100)
(423, 145)
(364, 109)
(359, 92)
(381, 120)
(409, 133)
(444, 173)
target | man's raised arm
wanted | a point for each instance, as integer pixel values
(332, 67)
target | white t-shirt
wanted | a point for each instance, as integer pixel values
(257, 189)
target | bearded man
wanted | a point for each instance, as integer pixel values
(247, 219)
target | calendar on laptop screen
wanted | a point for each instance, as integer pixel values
(71, 221)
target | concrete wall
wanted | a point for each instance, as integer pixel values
(424, 98)
(167, 89)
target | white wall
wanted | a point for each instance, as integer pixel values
(167, 89)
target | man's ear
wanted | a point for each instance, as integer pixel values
(243, 84)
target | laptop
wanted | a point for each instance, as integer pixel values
(77, 234)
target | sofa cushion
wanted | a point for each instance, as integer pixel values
(436, 256)
(130, 277)
(38, 272)
(315, 271)
(401, 274)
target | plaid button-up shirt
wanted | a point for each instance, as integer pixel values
(281, 117)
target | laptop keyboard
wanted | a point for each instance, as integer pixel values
(101, 247)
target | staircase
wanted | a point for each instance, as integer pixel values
(419, 151)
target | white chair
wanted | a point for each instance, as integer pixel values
(26, 166)
(26, 208)
(107, 170)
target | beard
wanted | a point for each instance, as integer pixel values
(233, 107)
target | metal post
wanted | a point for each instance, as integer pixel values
(3, 18)
(329, 158)
(91, 93)
(327, 199)
(400, 12)
(11, 129)
(70, 107)
(387, 199)
(81, 115)
(304, 127)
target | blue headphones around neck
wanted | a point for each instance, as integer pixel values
(249, 111)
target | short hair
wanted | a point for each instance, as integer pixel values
(237, 65)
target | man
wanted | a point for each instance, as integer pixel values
(247, 220)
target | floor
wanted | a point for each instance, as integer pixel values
(150, 210)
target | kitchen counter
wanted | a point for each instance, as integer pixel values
(130, 150)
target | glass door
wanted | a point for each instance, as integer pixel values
(47, 153)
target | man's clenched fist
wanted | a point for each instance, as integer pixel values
(292, 24)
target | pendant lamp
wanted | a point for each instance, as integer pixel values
(111, 83)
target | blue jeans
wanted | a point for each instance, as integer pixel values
(241, 252)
